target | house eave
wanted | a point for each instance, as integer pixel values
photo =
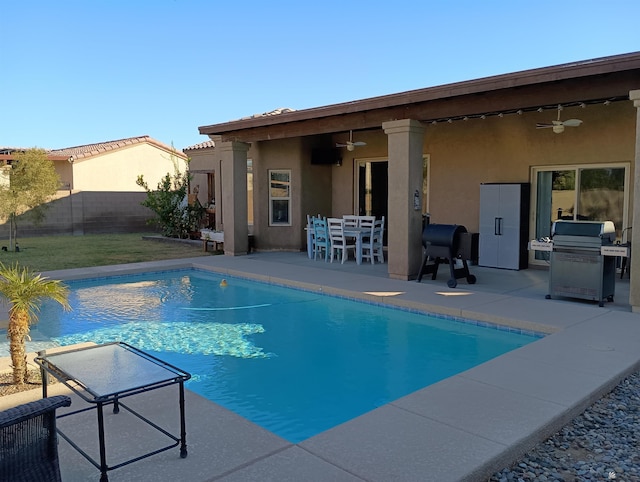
(270, 127)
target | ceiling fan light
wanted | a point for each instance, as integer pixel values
(350, 147)
(558, 129)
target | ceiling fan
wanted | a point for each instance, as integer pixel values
(350, 145)
(558, 125)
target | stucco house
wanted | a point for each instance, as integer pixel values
(430, 151)
(98, 192)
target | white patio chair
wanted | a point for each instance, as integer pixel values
(350, 220)
(378, 234)
(338, 240)
(321, 242)
(368, 222)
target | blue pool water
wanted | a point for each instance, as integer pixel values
(295, 362)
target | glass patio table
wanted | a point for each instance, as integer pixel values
(103, 375)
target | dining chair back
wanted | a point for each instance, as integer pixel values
(368, 223)
(339, 242)
(350, 220)
(321, 243)
(378, 236)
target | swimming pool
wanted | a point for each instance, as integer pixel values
(295, 362)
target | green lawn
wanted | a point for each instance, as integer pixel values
(63, 252)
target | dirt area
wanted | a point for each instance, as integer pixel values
(7, 387)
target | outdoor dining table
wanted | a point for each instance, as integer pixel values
(356, 232)
(105, 374)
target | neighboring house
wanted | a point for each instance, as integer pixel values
(98, 192)
(429, 151)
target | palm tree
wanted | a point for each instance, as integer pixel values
(25, 291)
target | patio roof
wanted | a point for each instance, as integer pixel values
(589, 81)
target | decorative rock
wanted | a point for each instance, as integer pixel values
(600, 444)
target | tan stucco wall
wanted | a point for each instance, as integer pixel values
(465, 154)
(119, 170)
(281, 154)
(64, 170)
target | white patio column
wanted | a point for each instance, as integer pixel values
(634, 274)
(233, 183)
(405, 140)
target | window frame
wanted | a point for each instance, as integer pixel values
(273, 199)
(535, 170)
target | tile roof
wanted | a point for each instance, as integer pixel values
(89, 150)
(278, 111)
(10, 150)
(202, 145)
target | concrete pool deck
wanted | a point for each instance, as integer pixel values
(463, 428)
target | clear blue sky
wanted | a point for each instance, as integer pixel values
(78, 72)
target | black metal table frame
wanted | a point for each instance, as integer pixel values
(78, 387)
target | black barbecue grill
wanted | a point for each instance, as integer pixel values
(446, 243)
(578, 269)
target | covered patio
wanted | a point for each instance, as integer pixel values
(432, 150)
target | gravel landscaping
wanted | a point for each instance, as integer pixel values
(601, 444)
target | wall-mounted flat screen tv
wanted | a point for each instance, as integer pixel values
(329, 155)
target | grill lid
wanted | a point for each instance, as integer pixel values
(605, 230)
(442, 235)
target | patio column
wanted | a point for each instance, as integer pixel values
(405, 144)
(634, 274)
(233, 182)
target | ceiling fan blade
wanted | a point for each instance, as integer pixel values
(543, 126)
(572, 122)
(350, 145)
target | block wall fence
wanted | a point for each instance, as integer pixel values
(88, 212)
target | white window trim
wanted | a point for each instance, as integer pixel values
(275, 198)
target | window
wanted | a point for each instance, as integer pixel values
(280, 197)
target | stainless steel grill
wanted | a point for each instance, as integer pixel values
(577, 267)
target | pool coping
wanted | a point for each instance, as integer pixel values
(463, 428)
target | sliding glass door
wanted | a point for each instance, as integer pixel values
(581, 193)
